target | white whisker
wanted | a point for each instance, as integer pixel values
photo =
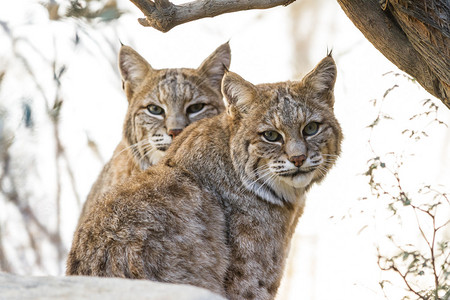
(259, 176)
(323, 170)
(330, 161)
(261, 168)
(132, 147)
(148, 148)
(248, 183)
(272, 175)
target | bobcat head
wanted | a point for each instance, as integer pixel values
(161, 103)
(287, 136)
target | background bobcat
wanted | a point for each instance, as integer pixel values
(220, 208)
(161, 103)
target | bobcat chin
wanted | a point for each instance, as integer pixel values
(219, 210)
(161, 103)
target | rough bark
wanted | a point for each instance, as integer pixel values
(164, 15)
(414, 35)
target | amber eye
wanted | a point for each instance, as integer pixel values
(155, 109)
(311, 129)
(272, 136)
(195, 108)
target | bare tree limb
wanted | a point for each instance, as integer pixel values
(164, 15)
(414, 35)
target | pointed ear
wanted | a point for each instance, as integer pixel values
(320, 81)
(133, 69)
(238, 92)
(213, 68)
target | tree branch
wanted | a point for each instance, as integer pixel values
(403, 46)
(164, 15)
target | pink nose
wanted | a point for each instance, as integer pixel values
(297, 160)
(174, 132)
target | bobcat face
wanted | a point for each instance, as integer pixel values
(292, 144)
(163, 102)
(174, 102)
(288, 137)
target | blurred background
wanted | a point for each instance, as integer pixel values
(376, 228)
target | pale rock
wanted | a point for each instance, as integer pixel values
(95, 288)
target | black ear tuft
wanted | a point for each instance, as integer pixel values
(319, 83)
(323, 77)
(330, 52)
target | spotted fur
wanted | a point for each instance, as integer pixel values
(220, 208)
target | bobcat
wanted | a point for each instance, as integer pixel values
(220, 208)
(161, 104)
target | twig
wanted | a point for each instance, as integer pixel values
(430, 244)
(10, 181)
(4, 265)
(71, 177)
(26, 212)
(163, 15)
(54, 114)
(446, 261)
(433, 258)
(403, 276)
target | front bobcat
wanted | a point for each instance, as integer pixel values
(220, 208)
(161, 103)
